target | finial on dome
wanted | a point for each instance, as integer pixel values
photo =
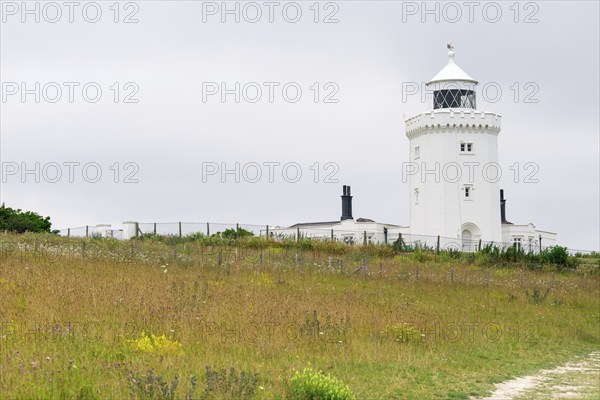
(450, 52)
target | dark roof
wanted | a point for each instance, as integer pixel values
(309, 224)
(370, 220)
(306, 224)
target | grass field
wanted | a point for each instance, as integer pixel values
(410, 325)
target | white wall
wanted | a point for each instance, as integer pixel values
(442, 209)
(527, 233)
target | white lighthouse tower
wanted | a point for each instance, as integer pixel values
(454, 187)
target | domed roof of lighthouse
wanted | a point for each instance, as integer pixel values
(452, 87)
(452, 72)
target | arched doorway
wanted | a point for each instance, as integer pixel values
(467, 240)
(470, 235)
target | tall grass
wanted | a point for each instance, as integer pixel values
(409, 325)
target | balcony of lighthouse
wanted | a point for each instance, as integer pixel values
(442, 120)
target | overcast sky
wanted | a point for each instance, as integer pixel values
(543, 56)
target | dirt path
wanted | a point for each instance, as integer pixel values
(579, 379)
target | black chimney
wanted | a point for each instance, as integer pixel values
(503, 208)
(346, 203)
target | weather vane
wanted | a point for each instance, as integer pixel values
(450, 47)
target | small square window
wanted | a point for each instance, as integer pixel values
(468, 192)
(466, 147)
(416, 196)
(417, 152)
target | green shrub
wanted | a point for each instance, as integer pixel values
(454, 254)
(232, 385)
(536, 295)
(420, 256)
(152, 387)
(19, 221)
(315, 385)
(402, 332)
(558, 255)
(237, 233)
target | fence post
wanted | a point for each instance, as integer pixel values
(87, 231)
(400, 241)
(521, 278)
(437, 246)
(68, 232)
(364, 266)
(207, 229)
(297, 234)
(261, 257)
(479, 244)
(237, 227)
(332, 235)
(364, 238)
(155, 229)
(385, 235)
(267, 231)
(380, 268)
(180, 229)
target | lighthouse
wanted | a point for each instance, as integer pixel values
(454, 187)
(454, 182)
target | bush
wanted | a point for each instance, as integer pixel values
(153, 387)
(420, 255)
(221, 385)
(159, 345)
(402, 333)
(556, 255)
(234, 233)
(19, 221)
(315, 385)
(451, 254)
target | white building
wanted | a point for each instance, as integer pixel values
(453, 176)
(347, 229)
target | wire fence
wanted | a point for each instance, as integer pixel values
(180, 229)
(90, 231)
(190, 228)
(391, 235)
(277, 260)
